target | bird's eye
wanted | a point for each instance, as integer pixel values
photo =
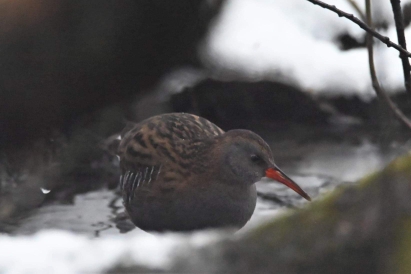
(255, 158)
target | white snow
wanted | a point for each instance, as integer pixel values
(56, 251)
(295, 41)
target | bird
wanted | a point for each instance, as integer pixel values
(181, 172)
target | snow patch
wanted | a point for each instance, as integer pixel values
(56, 251)
(295, 41)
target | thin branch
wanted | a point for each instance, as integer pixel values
(355, 6)
(376, 85)
(362, 25)
(399, 25)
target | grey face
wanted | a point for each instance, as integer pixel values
(246, 162)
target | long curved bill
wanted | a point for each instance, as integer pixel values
(276, 174)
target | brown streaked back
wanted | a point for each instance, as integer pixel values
(164, 151)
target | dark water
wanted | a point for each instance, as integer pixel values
(317, 163)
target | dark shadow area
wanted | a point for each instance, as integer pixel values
(61, 59)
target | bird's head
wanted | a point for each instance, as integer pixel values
(245, 158)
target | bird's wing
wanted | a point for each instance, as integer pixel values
(138, 179)
(163, 148)
(140, 162)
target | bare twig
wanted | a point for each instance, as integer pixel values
(376, 85)
(355, 6)
(399, 25)
(362, 25)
